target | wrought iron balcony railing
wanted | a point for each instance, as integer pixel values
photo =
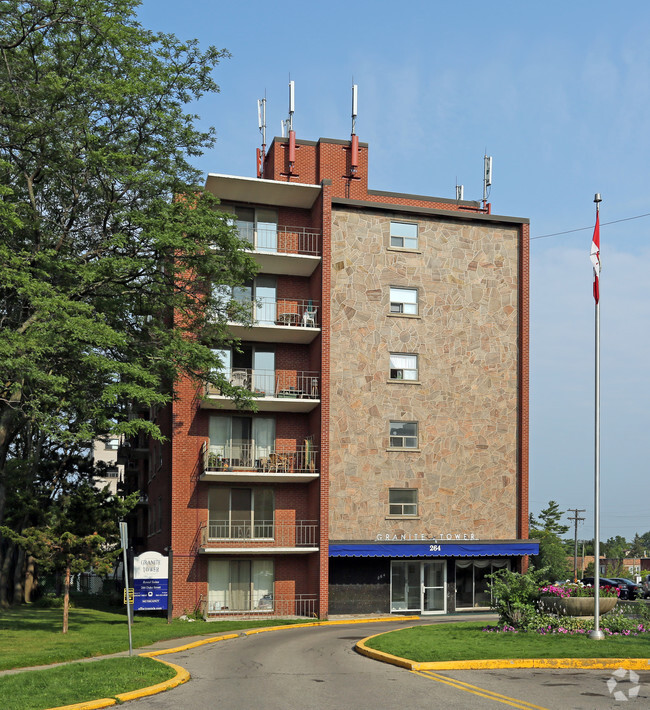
(302, 533)
(281, 239)
(255, 457)
(274, 383)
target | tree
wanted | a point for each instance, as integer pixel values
(107, 248)
(549, 519)
(552, 551)
(82, 534)
(615, 548)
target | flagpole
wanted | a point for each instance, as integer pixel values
(597, 633)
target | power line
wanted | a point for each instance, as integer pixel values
(584, 229)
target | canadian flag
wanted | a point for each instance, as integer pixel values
(595, 256)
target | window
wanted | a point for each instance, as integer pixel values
(240, 585)
(404, 300)
(403, 501)
(403, 367)
(241, 513)
(403, 435)
(257, 225)
(113, 444)
(404, 235)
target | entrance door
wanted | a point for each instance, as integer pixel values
(419, 586)
(434, 598)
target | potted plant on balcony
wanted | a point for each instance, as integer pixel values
(216, 462)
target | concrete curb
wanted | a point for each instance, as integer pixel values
(182, 676)
(634, 664)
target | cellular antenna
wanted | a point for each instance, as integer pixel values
(487, 178)
(287, 128)
(261, 122)
(354, 139)
(459, 191)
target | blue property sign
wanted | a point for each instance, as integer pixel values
(150, 582)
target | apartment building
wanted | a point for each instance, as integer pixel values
(385, 467)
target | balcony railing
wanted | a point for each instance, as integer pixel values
(281, 239)
(302, 533)
(296, 312)
(274, 383)
(255, 457)
(247, 604)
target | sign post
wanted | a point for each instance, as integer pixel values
(124, 541)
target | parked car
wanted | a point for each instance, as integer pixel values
(625, 586)
(629, 589)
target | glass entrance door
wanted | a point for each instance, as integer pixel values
(419, 586)
(434, 598)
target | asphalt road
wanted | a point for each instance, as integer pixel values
(317, 667)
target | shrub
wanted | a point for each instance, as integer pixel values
(515, 596)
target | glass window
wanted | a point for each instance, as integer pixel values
(403, 501)
(404, 235)
(240, 585)
(403, 435)
(241, 513)
(403, 367)
(404, 300)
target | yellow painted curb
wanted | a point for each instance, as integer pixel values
(195, 644)
(182, 676)
(336, 622)
(90, 705)
(635, 664)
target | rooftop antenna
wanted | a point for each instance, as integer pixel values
(354, 139)
(261, 122)
(459, 191)
(287, 128)
(487, 178)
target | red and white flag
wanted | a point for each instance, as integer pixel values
(595, 256)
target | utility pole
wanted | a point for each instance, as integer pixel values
(575, 519)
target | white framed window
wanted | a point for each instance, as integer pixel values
(404, 300)
(241, 513)
(403, 366)
(113, 444)
(404, 235)
(403, 501)
(403, 435)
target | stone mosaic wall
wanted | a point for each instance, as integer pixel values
(466, 401)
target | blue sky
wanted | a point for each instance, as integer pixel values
(559, 94)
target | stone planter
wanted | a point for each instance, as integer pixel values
(577, 606)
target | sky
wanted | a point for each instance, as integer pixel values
(558, 93)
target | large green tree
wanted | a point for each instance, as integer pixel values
(107, 247)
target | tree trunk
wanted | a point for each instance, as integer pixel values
(19, 569)
(5, 575)
(30, 579)
(66, 598)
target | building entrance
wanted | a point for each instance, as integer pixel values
(418, 586)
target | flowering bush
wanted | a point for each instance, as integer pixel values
(577, 590)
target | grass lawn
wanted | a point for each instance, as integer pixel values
(31, 636)
(78, 682)
(467, 641)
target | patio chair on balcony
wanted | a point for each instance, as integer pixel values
(239, 378)
(278, 463)
(309, 317)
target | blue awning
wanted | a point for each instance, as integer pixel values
(434, 549)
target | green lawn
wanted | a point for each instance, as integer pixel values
(78, 682)
(467, 641)
(31, 636)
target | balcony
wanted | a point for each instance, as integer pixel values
(273, 390)
(283, 249)
(281, 320)
(278, 605)
(261, 537)
(251, 463)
